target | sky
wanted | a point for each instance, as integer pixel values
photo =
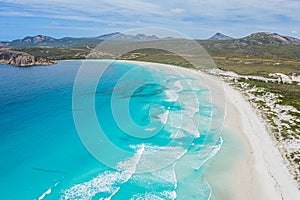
(197, 19)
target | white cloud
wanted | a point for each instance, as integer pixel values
(177, 11)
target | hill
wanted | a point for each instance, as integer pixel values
(269, 39)
(220, 36)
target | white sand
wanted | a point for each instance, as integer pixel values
(262, 173)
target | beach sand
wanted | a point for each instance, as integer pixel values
(262, 173)
(249, 165)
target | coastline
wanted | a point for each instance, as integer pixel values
(255, 168)
(22, 59)
(264, 168)
(260, 172)
(249, 164)
(34, 64)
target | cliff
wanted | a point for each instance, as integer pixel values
(22, 59)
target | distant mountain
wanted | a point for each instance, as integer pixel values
(108, 36)
(38, 40)
(220, 36)
(41, 40)
(4, 44)
(46, 41)
(122, 36)
(219, 40)
(267, 38)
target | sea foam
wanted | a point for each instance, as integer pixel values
(107, 182)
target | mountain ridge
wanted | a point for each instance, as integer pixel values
(259, 38)
(43, 40)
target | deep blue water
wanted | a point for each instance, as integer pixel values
(43, 156)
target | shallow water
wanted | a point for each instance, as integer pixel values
(44, 158)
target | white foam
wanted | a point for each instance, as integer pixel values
(211, 153)
(146, 196)
(150, 129)
(182, 120)
(174, 121)
(178, 85)
(164, 117)
(157, 157)
(165, 195)
(129, 166)
(45, 194)
(175, 177)
(102, 183)
(188, 123)
(169, 194)
(113, 194)
(171, 95)
(177, 135)
(105, 182)
(165, 176)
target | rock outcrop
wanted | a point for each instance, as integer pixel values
(21, 59)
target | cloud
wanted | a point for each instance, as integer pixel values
(120, 10)
(203, 17)
(177, 11)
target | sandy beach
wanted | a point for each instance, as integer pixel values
(259, 172)
(262, 174)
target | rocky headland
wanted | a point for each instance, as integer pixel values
(21, 59)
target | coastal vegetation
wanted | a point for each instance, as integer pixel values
(278, 103)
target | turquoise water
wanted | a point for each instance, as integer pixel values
(43, 157)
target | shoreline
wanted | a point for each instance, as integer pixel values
(262, 172)
(22, 59)
(35, 64)
(269, 175)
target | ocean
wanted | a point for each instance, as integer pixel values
(150, 139)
